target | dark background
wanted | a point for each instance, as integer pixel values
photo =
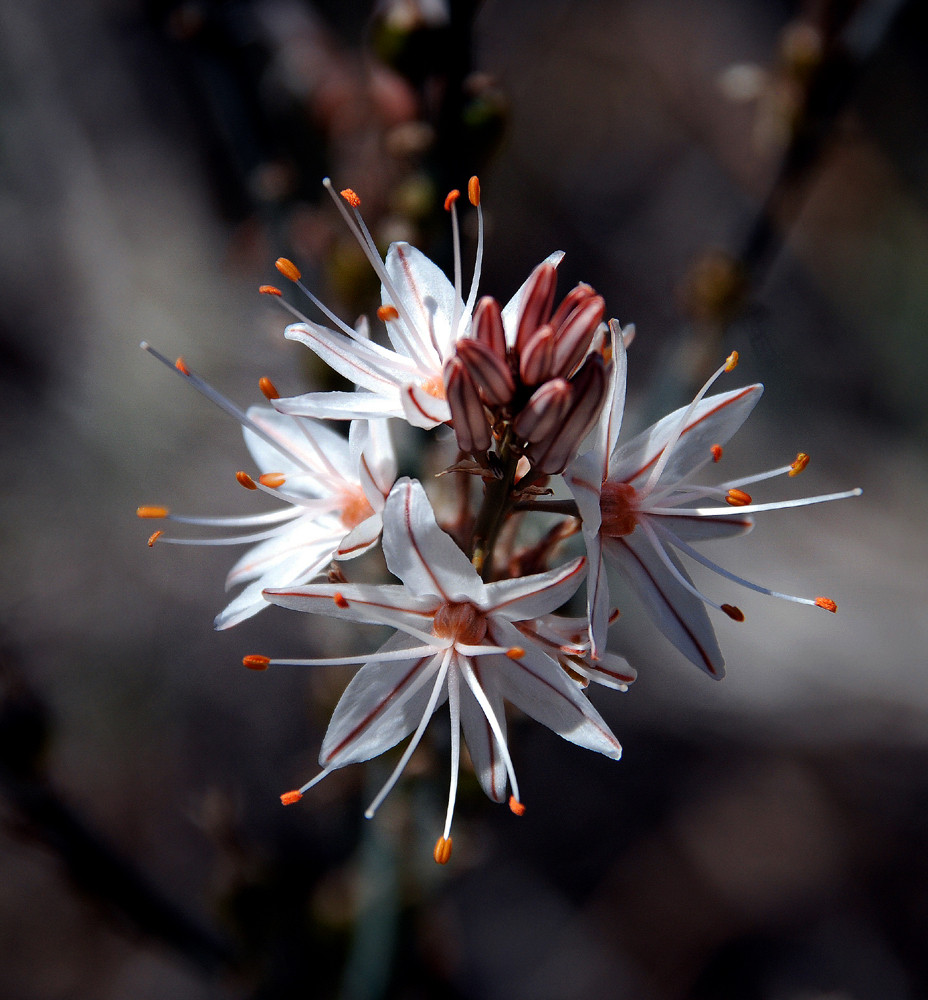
(764, 837)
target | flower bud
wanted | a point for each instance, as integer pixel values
(489, 371)
(544, 412)
(487, 325)
(467, 414)
(536, 303)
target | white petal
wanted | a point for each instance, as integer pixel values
(530, 596)
(360, 538)
(428, 297)
(420, 553)
(383, 703)
(481, 743)
(375, 459)
(292, 432)
(511, 310)
(699, 529)
(343, 405)
(611, 671)
(422, 409)
(539, 687)
(680, 615)
(277, 560)
(584, 479)
(713, 421)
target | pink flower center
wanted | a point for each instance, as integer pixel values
(619, 509)
(461, 622)
(354, 508)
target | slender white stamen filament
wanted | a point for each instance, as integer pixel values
(475, 280)
(466, 650)
(456, 244)
(226, 405)
(674, 540)
(417, 735)
(482, 700)
(417, 652)
(756, 478)
(675, 436)
(233, 521)
(326, 311)
(257, 536)
(658, 547)
(303, 789)
(454, 711)
(753, 508)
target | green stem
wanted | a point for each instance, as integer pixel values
(497, 503)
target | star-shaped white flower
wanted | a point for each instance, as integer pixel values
(334, 490)
(424, 315)
(458, 639)
(641, 506)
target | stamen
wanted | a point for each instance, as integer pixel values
(515, 653)
(827, 603)
(152, 538)
(716, 450)
(451, 198)
(473, 190)
(181, 366)
(802, 460)
(245, 480)
(155, 512)
(288, 798)
(288, 269)
(256, 662)
(473, 194)
(516, 806)
(731, 361)
(738, 498)
(386, 314)
(270, 290)
(340, 600)
(456, 253)
(442, 852)
(268, 389)
(353, 200)
(735, 614)
(272, 480)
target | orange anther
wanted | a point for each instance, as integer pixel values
(269, 290)
(340, 600)
(387, 314)
(614, 615)
(515, 653)
(256, 662)
(801, 461)
(451, 198)
(152, 512)
(442, 852)
(731, 362)
(152, 538)
(272, 480)
(245, 480)
(181, 366)
(738, 498)
(516, 806)
(827, 603)
(288, 798)
(268, 388)
(735, 614)
(353, 200)
(288, 269)
(716, 450)
(473, 190)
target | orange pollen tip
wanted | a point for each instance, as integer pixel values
(731, 362)
(353, 200)
(245, 480)
(738, 498)
(515, 653)
(735, 614)
(152, 538)
(181, 366)
(152, 512)
(268, 388)
(516, 806)
(802, 460)
(451, 198)
(288, 798)
(288, 269)
(272, 480)
(473, 190)
(269, 290)
(614, 615)
(442, 852)
(827, 603)
(256, 662)
(340, 600)
(716, 450)
(387, 314)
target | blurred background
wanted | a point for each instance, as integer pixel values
(747, 174)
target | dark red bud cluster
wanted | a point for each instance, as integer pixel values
(549, 386)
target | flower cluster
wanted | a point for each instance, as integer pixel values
(534, 394)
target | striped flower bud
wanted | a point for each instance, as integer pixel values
(468, 416)
(489, 371)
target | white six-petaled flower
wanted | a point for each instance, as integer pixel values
(458, 639)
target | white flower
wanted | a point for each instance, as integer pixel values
(424, 315)
(459, 640)
(639, 503)
(334, 490)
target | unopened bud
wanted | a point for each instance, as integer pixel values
(489, 371)
(467, 413)
(488, 325)
(536, 302)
